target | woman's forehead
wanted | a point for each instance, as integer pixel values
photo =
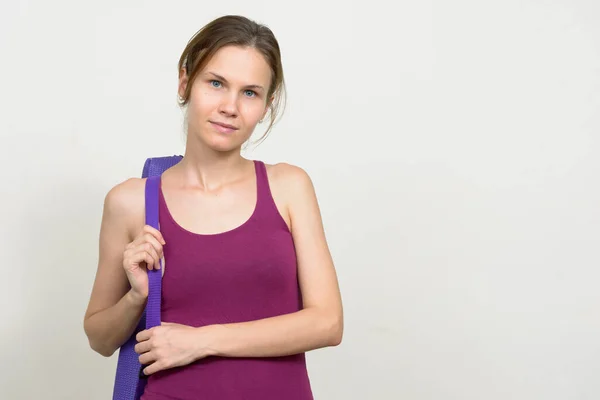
(240, 65)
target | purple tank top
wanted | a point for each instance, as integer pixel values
(244, 274)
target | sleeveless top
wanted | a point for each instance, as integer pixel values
(244, 274)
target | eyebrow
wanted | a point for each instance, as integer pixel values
(225, 80)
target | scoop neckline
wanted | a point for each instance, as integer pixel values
(233, 230)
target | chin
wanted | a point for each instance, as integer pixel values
(223, 144)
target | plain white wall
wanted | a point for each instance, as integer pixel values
(455, 151)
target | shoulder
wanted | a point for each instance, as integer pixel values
(124, 196)
(289, 177)
(293, 189)
(125, 202)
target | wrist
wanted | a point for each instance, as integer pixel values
(208, 341)
(135, 299)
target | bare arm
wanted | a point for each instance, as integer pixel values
(114, 309)
(320, 323)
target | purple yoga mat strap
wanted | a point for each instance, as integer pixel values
(154, 275)
(129, 384)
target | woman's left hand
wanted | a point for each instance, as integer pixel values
(167, 346)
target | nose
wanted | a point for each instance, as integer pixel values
(228, 105)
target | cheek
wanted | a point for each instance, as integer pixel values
(204, 102)
(252, 110)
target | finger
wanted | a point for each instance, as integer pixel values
(155, 244)
(142, 347)
(154, 232)
(149, 248)
(145, 257)
(147, 359)
(153, 368)
(144, 335)
(133, 258)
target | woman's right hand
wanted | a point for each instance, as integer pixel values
(141, 255)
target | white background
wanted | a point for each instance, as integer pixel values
(455, 151)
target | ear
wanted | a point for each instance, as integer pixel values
(183, 81)
(267, 107)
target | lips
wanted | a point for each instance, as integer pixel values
(224, 125)
(223, 128)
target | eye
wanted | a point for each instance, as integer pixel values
(252, 93)
(215, 81)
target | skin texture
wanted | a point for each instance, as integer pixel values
(212, 190)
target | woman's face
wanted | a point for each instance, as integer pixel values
(230, 90)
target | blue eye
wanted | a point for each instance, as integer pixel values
(213, 81)
(252, 93)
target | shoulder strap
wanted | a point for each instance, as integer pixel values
(157, 165)
(153, 169)
(154, 276)
(130, 380)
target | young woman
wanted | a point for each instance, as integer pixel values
(249, 284)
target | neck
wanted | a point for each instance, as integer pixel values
(205, 169)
